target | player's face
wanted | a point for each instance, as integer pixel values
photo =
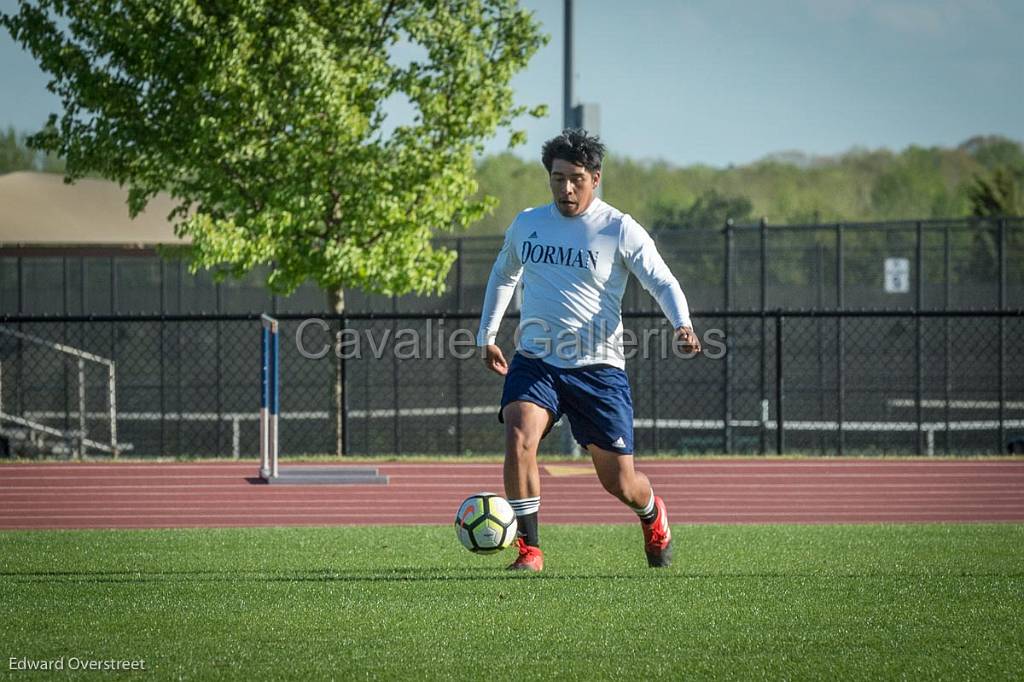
(572, 187)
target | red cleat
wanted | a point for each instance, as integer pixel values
(530, 558)
(658, 537)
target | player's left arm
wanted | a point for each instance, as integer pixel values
(641, 257)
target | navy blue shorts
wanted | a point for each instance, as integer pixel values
(596, 399)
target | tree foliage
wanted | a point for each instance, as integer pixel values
(267, 122)
(999, 193)
(14, 155)
(710, 209)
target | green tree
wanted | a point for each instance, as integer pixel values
(915, 187)
(993, 195)
(14, 155)
(266, 122)
(515, 184)
(993, 151)
(711, 209)
(999, 193)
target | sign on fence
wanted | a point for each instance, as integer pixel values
(897, 275)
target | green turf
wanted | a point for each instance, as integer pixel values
(741, 602)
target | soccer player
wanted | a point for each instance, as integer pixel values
(574, 256)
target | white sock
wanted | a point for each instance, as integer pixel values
(647, 512)
(525, 505)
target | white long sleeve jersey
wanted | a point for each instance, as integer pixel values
(574, 273)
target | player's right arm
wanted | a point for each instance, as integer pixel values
(501, 285)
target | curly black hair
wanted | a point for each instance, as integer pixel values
(576, 146)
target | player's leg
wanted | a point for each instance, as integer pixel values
(599, 405)
(617, 475)
(525, 425)
(529, 407)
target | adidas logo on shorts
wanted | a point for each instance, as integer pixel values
(619, 442)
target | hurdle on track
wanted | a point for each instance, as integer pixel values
(270, 412)
(269, 396)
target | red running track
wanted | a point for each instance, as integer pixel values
(100, 495)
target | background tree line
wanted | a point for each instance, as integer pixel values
(16, 155)
(984, 176)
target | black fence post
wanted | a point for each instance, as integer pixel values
(336, 389)
(819, 337)
(179, 389)
(763, 393)
(343, 366)
(65, 339)
(780, 392)
(218, 393)
(1002, 334)
(840, 344)
(114, 306)
(458, 406)
(652, 359)
(19, 374)
(163, 358)
(947, 389)
(396, 423)
(918, 350)
(458, 363)
(727, 365)
(367, 402)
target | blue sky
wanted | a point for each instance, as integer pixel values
(724, 82)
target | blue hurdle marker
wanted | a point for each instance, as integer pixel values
(269, 398)
(270, 410)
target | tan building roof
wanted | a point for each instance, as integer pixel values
(38, 209)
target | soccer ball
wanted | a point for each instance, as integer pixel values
(485, 523)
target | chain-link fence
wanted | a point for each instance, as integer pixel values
(832, 383)
(930, 265)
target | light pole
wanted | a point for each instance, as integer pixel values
(568, 110)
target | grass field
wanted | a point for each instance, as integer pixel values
(742, 602)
